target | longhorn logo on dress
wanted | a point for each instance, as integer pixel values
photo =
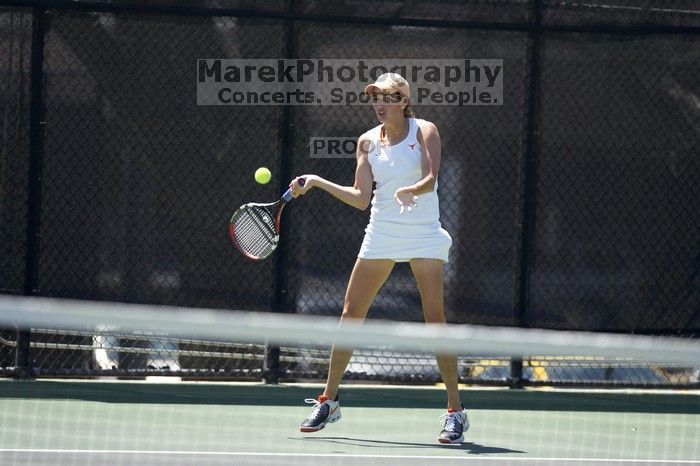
(412, 145)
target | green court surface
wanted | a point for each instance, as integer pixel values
(97, 422)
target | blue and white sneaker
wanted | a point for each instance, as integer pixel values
(325, 411)
(454, 425)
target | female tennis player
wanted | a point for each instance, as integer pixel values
(402, 155)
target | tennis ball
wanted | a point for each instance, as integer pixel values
(263, 175)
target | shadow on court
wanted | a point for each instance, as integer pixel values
(468, 447)
(381, 396)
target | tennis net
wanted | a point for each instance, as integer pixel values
(131, 418)
(70, 337)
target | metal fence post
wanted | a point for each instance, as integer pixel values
(23, 367)
(529, 167)
(271, 371)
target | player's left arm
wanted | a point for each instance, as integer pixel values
(429, 140)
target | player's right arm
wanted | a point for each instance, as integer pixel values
(359, 194)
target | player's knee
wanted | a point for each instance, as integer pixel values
(436, 317)
(351, 311)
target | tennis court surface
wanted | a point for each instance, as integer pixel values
(145, 423)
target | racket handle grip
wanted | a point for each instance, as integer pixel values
(287, 196)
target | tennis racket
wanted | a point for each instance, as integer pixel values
(255, 228)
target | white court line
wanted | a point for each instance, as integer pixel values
(336, 455)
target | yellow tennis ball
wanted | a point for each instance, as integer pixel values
(263, 175)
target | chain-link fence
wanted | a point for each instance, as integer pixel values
(572, 206)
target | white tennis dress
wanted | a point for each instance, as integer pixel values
(413, 234)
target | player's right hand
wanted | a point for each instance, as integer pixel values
(300, 188)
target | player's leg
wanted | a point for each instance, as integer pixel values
(366, 279)
(429, 276)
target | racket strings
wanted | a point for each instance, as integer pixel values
(254, 229)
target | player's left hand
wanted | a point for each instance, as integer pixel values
(406, 199)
